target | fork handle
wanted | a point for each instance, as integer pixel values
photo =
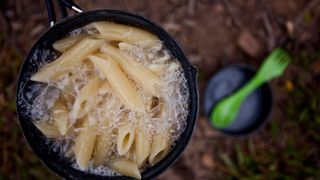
(250, 86)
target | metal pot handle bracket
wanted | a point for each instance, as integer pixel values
(63, 5)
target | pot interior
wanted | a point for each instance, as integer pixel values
(42, 52)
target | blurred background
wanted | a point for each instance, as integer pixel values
(213, 34)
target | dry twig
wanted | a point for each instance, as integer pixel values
(270, 38)
(191, 7)
(232, 13)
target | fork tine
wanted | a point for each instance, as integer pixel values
(274, 53)
(285, 63)
(281, 57)
(275, 56)
(285, 58)
(278, 52)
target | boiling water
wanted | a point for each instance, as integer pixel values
(173, 98)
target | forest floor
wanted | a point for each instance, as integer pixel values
(213, 34)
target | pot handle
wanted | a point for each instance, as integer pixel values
(63, 9)
(63, 5)
(194, 71)
(72, 5)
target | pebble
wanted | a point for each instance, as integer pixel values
(16, 26)
(249, 44)
(290, 27)
(195, 59)
(172, 27)
(218, 9)
(208, 161)
(37, 30)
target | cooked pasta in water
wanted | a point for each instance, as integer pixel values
(114, 101)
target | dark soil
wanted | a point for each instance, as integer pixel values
(213, 34)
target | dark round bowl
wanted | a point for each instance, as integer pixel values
(256, 107)
(38, 141)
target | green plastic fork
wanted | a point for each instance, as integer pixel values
(226, 111)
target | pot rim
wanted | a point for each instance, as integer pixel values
(79, 20)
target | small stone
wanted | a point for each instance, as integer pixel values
(195, 59)
(16, 26)
(172, 27)
(189, 23)
(290, 27)
(218, 8)
(249, 44)
(37, 30)
(207, 161)
(289, 85)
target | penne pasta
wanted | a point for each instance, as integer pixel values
(156, 69)
(83, 101)
(125, 33)
(162, 59)
(133, 50)
(84, 144)
(159, 148)
(131, 155)
(60, 115)
(125, 139)
(105, 88)
(155, 107)
(68, 98)
(69, 153)
(103, 145)
(67, 60)
(173, 66)
(66, 43)
(119, 83)
(126, 167)
(141, 75)
(79, 123)
(112, 98)
(142, 146)
(50, 130)
(123, 46)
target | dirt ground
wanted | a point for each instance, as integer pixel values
(213, 34)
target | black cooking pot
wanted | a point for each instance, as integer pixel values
(254, 111)
(42, 50)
